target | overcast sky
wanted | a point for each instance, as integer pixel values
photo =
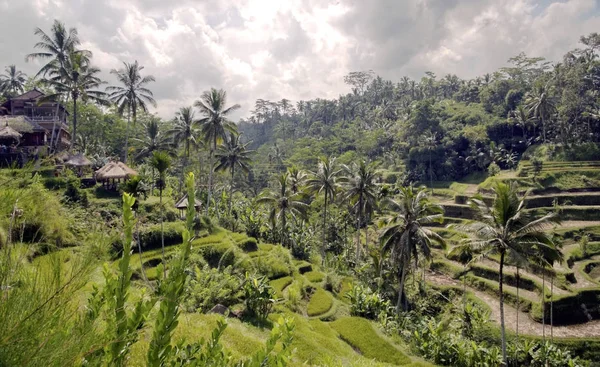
(296, 49)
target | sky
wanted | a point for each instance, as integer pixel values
(296, 49)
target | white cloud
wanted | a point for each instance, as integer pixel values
(297, 49)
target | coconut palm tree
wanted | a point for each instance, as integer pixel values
(325, 180)
(505, 228)
(297, 179)
(132, 95)
(361, 193)
(153, 140)
(541, 105)
(405, 235)
(283, 203)
(57, 46)
(13, 81)
(76, 79)
(161, 161)
(230, 155)
(521, 118)
(185, 131)
(215, 125)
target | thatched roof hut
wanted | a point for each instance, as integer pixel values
(8, 132)
(183, 203)
(78, 160)
(115, 170)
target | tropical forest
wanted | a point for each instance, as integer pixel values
(432, 221)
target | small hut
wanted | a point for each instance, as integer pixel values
(115, 171)
(183, 203)
(78, 161)
(8, 137)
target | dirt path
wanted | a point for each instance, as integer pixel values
(513, 270)
(526, 325)
(578, 223)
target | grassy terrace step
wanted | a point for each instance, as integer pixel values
(359, 333)
(320, 302)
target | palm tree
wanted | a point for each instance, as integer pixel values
(297, 179)
(153, 140)
(161, 161)
(13, 81)
(283, 203)
(430, 141)
(405, 236)
(185, 131)
(76, 79)
(361, 192)
(541, 105)
(325, 180)
(57, 46)
(521, 118)
(230, 155)
(132, 95)
(507, 229)
(215, 125)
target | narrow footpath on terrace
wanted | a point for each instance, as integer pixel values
(526, 325)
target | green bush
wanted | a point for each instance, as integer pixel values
(248, 244)
(210, 286)
(275, 264)
(55, 183)
(320, 302)
(220, 254)
(258, 297)
(360, 335)
(150, 237)
(493, 169)
(365, 303)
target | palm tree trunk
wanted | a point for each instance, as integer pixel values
(401, 288)
(324, 230)
(231, 188)
(544, 304)
(543, 128)
(127, 134)
(358, 217)
(551, 308)
(502, 327)
(210, 174)
(74, 137)
(518, 304)
(162, 233)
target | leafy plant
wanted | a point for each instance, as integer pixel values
(258, 296)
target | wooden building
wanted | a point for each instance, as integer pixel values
(42, 124)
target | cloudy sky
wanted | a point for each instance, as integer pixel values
(297, 49)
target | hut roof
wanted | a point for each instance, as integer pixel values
(115, 170)
(9, 132)
(78, 160)
(183, 203)
(20, 124)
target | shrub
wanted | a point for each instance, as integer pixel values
(258, 297)
(275, 264)
(151, 237)
(219, 255)
(248, 244)
(360, 335)
(365, 303)
(493, 169)
(333, 282)
(209, 286)
(320, 302)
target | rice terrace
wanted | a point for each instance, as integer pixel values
(429, 194)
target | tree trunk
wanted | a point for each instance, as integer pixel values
(401, 288)
(231, 187)
(358, 221)
(502, 327)
(544, 304)
(162, 232)
(551, 309)
(137, 229)
(430, 172)
(324, 230)
(543, 128)
(127, 135)
(74, 137)
(210, 178)
(518, 304)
